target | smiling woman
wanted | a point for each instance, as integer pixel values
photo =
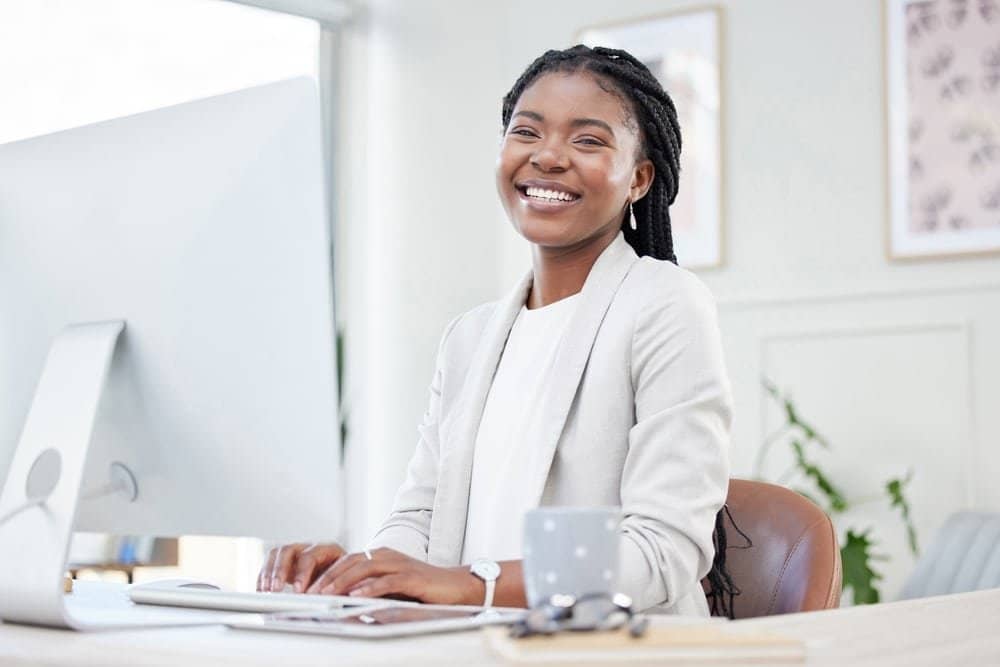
(565, 178)
(597, 381)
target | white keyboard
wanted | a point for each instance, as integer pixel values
(199, 598)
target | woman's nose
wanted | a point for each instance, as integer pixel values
(550, 158)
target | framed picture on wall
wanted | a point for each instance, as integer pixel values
(943, 77)
(683, 51)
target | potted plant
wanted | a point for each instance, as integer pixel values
(805, 476)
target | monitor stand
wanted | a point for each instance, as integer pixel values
(39, 501)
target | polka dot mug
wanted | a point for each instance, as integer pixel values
(570, 551)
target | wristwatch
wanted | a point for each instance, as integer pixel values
(488, 571)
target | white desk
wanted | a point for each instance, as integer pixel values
(958, 629)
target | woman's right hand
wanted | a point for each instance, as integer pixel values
(296, 564)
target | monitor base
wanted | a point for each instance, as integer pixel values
(39, 499)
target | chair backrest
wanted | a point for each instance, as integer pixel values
(965, 556)
(793, 563)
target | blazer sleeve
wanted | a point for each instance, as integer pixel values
(676, 472)
(407, 528)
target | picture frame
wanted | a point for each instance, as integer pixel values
(942, 64)
(684, 50)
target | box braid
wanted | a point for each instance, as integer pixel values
(652, 113)
(655, 117)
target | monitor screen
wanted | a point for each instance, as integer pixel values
(204, 228)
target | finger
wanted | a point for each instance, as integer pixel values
(264, 578)
(345, 561)
(325, 583)
(360, 570)
(283, 563)
(312, 561)
(390, 584)
(387, 560)
(328, 575)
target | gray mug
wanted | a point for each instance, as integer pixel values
(571, 551)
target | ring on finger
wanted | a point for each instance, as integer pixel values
(368, 554)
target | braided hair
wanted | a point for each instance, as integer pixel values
(653, 115)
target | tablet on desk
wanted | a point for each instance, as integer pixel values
(390, 621)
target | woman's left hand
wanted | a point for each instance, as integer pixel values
(389, 572)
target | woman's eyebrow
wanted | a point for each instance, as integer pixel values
(533, 115)
(584, 122)
(576, 122)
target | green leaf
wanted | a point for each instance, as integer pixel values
(810, 433)
(895, 489)
(792, 417)
(790, 412)
(770, 387)
(837, 501)
(813, 435)
(340, 393)
(856, 552)
(856, 557)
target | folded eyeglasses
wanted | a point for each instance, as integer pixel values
(595, 611)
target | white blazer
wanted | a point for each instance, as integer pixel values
(638, 412)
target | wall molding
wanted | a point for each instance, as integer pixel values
(765, 300)
(964, 328)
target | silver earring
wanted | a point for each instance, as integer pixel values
(631, 218)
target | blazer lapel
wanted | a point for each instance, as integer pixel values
(598, 292)
(451, 499)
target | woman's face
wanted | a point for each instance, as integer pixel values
(568, 162)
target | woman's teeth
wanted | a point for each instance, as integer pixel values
(550, 195)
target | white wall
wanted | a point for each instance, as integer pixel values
(893, 361)
(417, 217)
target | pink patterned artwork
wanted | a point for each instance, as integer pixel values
(944, 68)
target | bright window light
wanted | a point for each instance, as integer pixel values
(65, 63)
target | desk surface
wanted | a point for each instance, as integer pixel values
(955, 629)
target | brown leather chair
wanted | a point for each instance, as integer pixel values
(794, 561)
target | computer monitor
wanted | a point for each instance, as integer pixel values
(203, 228)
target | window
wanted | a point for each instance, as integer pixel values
(65, 63)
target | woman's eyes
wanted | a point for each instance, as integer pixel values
(587, 140)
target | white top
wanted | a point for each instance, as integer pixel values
(504, 457)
